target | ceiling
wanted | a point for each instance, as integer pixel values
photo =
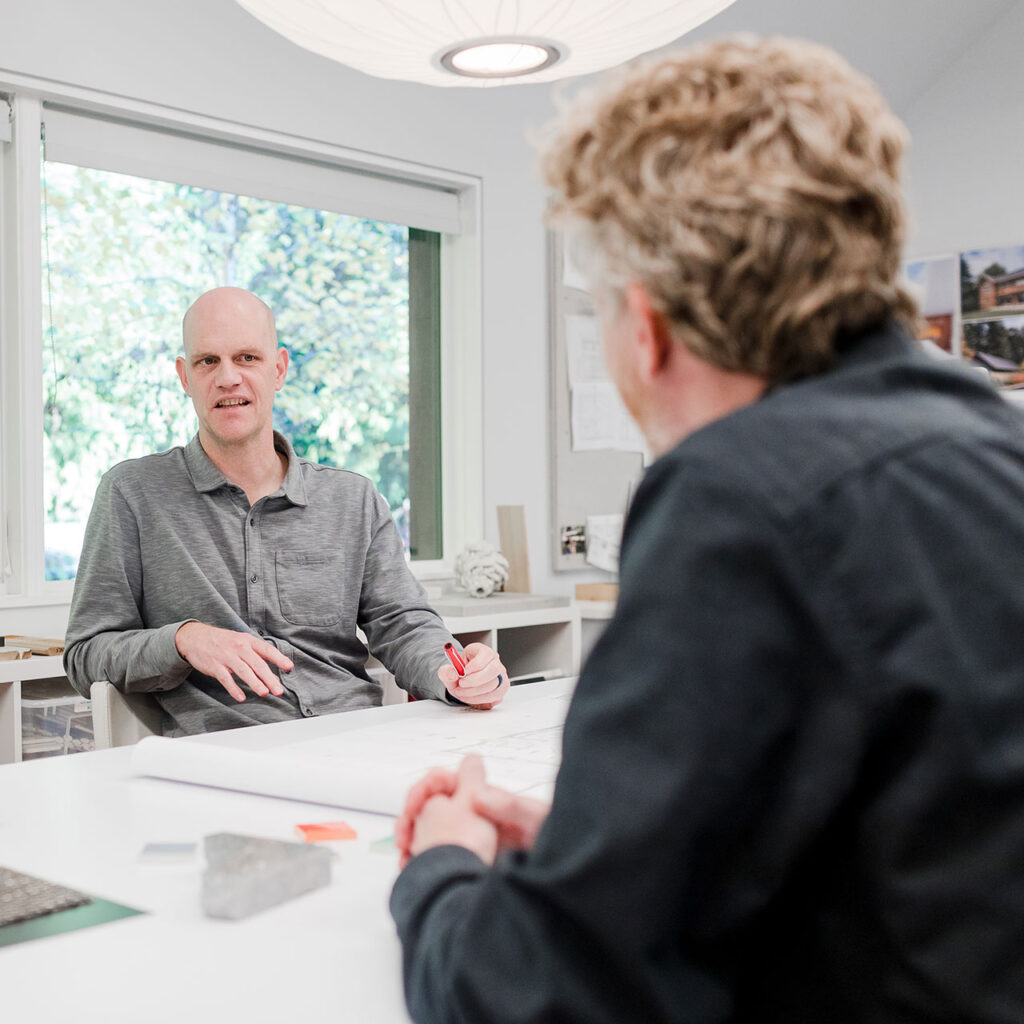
(904, 45)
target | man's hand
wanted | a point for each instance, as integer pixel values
(450, 819)
(518, 819)
(225, 654)
(437, 782)
(486, 680)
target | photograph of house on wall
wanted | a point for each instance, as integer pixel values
(933, 282)
(998, 345)
(992, 311)
(992, 282)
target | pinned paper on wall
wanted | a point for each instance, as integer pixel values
(600, 420)
(571, 276)
(604, 535)
(584, 350)
(574, 540)
(597, 452)
(991, 294)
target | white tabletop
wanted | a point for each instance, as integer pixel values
(81, 820)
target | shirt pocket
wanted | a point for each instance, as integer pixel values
(310, 587)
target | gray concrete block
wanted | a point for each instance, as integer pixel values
(247, 874)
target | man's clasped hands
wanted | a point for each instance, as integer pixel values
(459, 808)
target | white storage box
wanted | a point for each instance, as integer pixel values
(54, 720)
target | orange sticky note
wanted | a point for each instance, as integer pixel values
(323, 830)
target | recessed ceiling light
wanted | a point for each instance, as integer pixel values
(500, 58)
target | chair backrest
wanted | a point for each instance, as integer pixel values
(121, 719)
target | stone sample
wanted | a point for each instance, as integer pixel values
(247, 874)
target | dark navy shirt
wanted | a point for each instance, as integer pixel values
(792, 786)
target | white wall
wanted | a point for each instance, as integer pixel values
(211, 57)
(967, 148)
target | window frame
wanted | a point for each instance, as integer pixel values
(21, 328)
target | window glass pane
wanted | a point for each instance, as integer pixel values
(124, 257)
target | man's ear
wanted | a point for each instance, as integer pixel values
(282, 368)
(179, 365)
(651, 330)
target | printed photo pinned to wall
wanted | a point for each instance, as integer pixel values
(998, 346)
(992, 282)
(574, 540)
(934, 283)
(992, 312)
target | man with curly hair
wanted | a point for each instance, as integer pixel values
(792, 785)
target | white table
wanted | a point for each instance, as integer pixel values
(81, 820)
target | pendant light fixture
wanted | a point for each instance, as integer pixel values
(482, 42)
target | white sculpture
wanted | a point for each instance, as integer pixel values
(481, 569)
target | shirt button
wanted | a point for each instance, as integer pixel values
(262, 632)
(252, 522)
(253, 578)
(308, 712)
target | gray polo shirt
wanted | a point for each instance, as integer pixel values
(170, 540)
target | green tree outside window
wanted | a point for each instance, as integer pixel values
(123, 259)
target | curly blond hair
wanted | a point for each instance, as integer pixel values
(753, 187)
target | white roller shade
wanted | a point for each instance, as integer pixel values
(225, 167)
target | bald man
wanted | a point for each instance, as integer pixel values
(227, 578)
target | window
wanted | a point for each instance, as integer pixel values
(122, 259)
(132, 223)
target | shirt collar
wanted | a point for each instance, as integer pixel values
(207, 477)
(294, 484)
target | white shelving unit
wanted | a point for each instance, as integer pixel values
(54, 720)
(594, 616)
(12, 675)
(532, 634)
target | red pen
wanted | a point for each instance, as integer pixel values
(453, 657)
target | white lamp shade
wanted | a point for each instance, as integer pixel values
(414, 40)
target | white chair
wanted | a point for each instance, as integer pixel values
(121, 719)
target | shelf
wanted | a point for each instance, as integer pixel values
(596, 609)
(529, 640)
(36, 667)
(531, 633)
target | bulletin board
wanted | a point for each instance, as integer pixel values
(584, 483)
